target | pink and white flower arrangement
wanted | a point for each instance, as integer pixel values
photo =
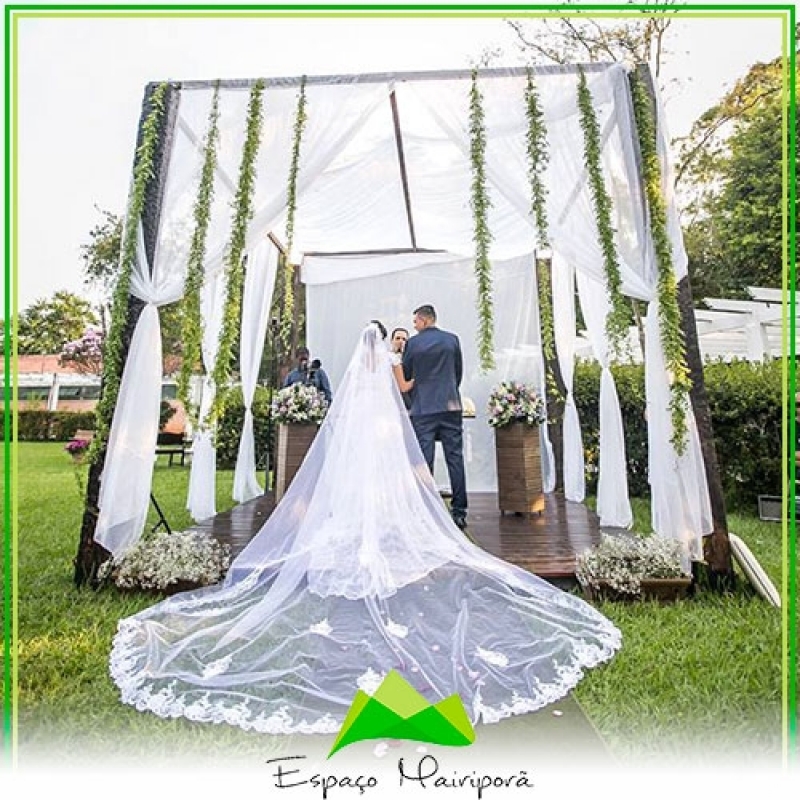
(512, 401)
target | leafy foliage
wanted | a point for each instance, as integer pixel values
(101, 254)
(730, 175)
(481, 204)
(669, 314)
(287, 316)
(242, 213)
(229, 427)
(618, 318)
(46, 325)
(38, 425)
(745, 403)
(538, 157)
(190, 317)
(112, 352)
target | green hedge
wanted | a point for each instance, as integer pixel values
(36, 425)
(745, 402)
(230, 428)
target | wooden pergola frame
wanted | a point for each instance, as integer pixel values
(717, 545)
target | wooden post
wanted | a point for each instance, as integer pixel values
(91, 555)
(717, 549)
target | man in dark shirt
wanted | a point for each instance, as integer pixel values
(309, 374)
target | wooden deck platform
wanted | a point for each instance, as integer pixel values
(545, 544)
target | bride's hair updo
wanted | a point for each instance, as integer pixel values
(381, 327)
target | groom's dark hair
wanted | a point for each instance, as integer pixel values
(426, 311)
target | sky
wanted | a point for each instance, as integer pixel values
(80, 84)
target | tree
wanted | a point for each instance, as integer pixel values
(731, 173)
(579, 38)
(100, 264)
(101, 253)
(84, 355)
(48, 324)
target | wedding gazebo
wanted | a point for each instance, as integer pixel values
(501, 196)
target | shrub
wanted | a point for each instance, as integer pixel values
(230, 427)
(35, 425)
(745, 403)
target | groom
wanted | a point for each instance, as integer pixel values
(433, 359)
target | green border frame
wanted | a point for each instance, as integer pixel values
(13, 13)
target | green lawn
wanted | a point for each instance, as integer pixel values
(694, 679)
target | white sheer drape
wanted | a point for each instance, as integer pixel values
(128, 470)
(262, 267)
(201, 500)
(681, 508)
(563, 277)
(368, 286)
(613, 502)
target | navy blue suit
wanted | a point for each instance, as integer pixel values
(433, 359)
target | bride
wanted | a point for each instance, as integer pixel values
(359, 570)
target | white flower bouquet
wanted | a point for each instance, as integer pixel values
(512, 401)
(299, 404)
(164, 559)
(622, 563)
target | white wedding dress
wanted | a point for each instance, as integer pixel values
(359, 570)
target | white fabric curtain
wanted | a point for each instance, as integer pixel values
(563, 278)
(613, 501)
(262, 267)
(128, 471)
(374, 291)
(681, 508)
(201, 499)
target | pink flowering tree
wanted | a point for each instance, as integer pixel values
(84, 355)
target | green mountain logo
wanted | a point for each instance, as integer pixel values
(398, 711)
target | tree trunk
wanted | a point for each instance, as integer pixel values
(91, 555)
(717, 548)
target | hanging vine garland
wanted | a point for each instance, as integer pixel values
(112, 349)
(672, 340)
(538, 158)
(287, 316)
(618, 318)
(191, 322)
(234, 268)
(481, 204)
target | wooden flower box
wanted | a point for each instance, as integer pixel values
(664, 590)
(519, 469)
(293, 444)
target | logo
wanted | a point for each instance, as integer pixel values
(398, 711)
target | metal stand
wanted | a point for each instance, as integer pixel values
(162, 520)
(274, 330)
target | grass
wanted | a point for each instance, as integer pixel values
(692, 679)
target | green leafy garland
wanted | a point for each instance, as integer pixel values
(538, 157)
(191, 323)
(234, 268)
(672, 340)
(112, 350)
(287, 317)
(618, 317)
(480, 207)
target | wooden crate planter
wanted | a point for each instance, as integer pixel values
(664, 590)
(293, 444)
(519, 469)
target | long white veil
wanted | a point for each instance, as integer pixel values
(359, 570)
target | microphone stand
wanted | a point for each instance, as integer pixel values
(274, 329)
